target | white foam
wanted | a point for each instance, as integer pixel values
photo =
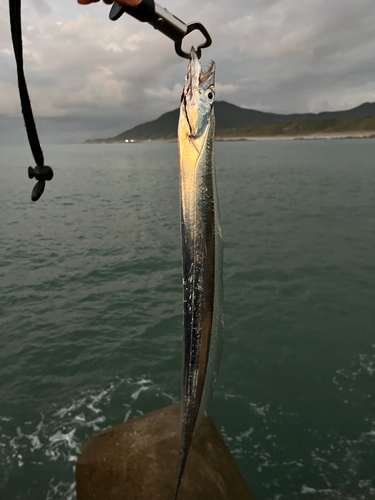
(94, 423)
(245, 434)
(67, 410)
(61, 491)
(92, 408)
(169, 396)
(306, 490)
(68, 438)
(59, 436)
(142, 388)
(260, 410)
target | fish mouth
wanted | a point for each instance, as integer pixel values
(195, 76)
(194, 80)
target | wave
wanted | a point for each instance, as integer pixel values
(54, 442)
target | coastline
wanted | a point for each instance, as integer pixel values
(306, 137)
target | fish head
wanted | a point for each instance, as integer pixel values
(198, 96)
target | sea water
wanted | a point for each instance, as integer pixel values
(91, 310)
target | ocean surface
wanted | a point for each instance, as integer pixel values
(91, 310)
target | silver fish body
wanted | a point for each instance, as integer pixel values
(201, 251)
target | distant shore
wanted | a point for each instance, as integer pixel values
(316, 136)
(337, 135)
(234, 123)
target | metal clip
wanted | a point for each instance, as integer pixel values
(162, 20)
(192, 27)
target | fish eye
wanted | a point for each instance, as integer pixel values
(210, 94)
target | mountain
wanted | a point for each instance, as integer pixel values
(229, 117)
(339, 127)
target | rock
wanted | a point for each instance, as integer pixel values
(137, 460)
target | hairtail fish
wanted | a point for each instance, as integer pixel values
(202, 255)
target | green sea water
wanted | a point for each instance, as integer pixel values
(91, 310)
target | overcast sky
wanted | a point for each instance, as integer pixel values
(90, 77)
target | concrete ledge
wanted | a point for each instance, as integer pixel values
(137, 460)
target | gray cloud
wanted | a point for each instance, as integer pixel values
(90, 77)
(42, 6)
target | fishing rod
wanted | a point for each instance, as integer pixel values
(41, 172)
(147, 11)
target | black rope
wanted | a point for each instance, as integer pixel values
(41, 172)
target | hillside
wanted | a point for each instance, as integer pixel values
(327, 126)
(232, 120)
